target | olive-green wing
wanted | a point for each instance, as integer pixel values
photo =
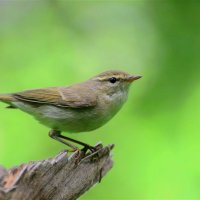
(73, 97)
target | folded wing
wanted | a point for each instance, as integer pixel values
(72, 97)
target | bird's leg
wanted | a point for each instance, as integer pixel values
(86, 146)
(56, 136)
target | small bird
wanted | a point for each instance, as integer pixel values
(77, 108)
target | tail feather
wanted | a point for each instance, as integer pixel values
(6, 98)
(11, 107)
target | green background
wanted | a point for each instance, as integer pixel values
(157, 133)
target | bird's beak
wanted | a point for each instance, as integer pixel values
(132, 78)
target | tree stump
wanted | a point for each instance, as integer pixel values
(62, 177)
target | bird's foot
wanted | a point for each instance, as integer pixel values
(91, 148)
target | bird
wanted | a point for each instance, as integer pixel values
(81, 107)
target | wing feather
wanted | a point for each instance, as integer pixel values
(75, 96)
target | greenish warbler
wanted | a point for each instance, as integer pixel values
(80, 107)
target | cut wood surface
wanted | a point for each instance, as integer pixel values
(62, 177)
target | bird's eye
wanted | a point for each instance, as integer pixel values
(112, 79)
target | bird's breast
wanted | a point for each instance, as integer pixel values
(111, 104)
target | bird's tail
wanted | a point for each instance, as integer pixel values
(7, 98)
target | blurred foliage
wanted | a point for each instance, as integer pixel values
(49, 43)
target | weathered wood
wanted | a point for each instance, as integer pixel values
(58, 178)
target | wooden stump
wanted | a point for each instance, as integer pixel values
(58, 178)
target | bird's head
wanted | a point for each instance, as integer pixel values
(114, 81)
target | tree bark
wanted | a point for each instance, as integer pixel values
(59, 178)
